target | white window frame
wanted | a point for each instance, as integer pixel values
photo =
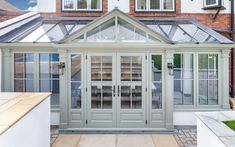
(155, 10)
(218, 2)
(87, 9)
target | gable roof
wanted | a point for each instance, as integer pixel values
(113, 14)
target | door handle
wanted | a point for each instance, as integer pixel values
(118, 90)
(114, 91)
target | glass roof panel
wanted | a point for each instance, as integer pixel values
(127, 32)
(166, 28)
(179, 35)
(53, 35)
(33, 36)
(76, 27)
(157, 29)
(201, 36)
(102, 33)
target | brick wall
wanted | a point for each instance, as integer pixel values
(9, 15)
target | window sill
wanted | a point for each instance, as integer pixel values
(216, 7)
(154, 11)
(85, 11)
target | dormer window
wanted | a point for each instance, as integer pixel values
(211, 4)
(155, 5)
(82, 5)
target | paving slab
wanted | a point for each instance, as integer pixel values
(164, 141)
(134, 141)
(97, 141)
(66, 141)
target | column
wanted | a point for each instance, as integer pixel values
(63, 91)
(225, 78)
(6, 70)
(169, 90)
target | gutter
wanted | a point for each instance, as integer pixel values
(232, 52)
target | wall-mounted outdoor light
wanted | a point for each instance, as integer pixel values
(170, 67)
(61, 68)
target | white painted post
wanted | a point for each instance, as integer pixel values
(225, 78)
(63, 91)
(169, 90)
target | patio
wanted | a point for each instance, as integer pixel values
(115, 141)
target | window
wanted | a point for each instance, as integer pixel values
(24, 72)
(208, 79)
(155, 5)
(183, 79)
(49, 75)
(87, 5)
(212, 3)
(156, 82)
(76, 83)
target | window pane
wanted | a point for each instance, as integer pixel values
(68, 4)
(107, 97)
(212, 92)
(125, 97)
(24, 72)
(49, 75)
(203, 66)
(157, 95)
(81, 4)
(76, 67)
(95, 4)
(19, 65)
(187, 92)
(178, 92)
(183, 79)
(168, 4)
(210, 2)
(156, 68)
(141, 4)
(127, 32)
(19, 85)
(104, 32)
(213, 66)
(76, 95)
(178, 66)
(203, 92)
(154, 4)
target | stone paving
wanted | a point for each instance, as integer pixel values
(183, 137)
(186, 137)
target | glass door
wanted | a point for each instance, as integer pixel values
(131, 91)
(101, 91)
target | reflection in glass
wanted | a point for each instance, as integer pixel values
(96, 96)
(141, 4)
(81, 4)
(68, 4)
(24, 72)
(154, 4)
(168, 4)
(157, 95)
(49, 75)
(101, 82)
(208, 79)
(104, 32)
(107, 97)
(76, 95)
(183, 79)
(125, 97)
(131, 82)
(76, 84)
(156, 85)
(128, 32)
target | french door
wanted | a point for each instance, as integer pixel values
(116, 90)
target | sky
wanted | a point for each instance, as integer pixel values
(23, 4)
